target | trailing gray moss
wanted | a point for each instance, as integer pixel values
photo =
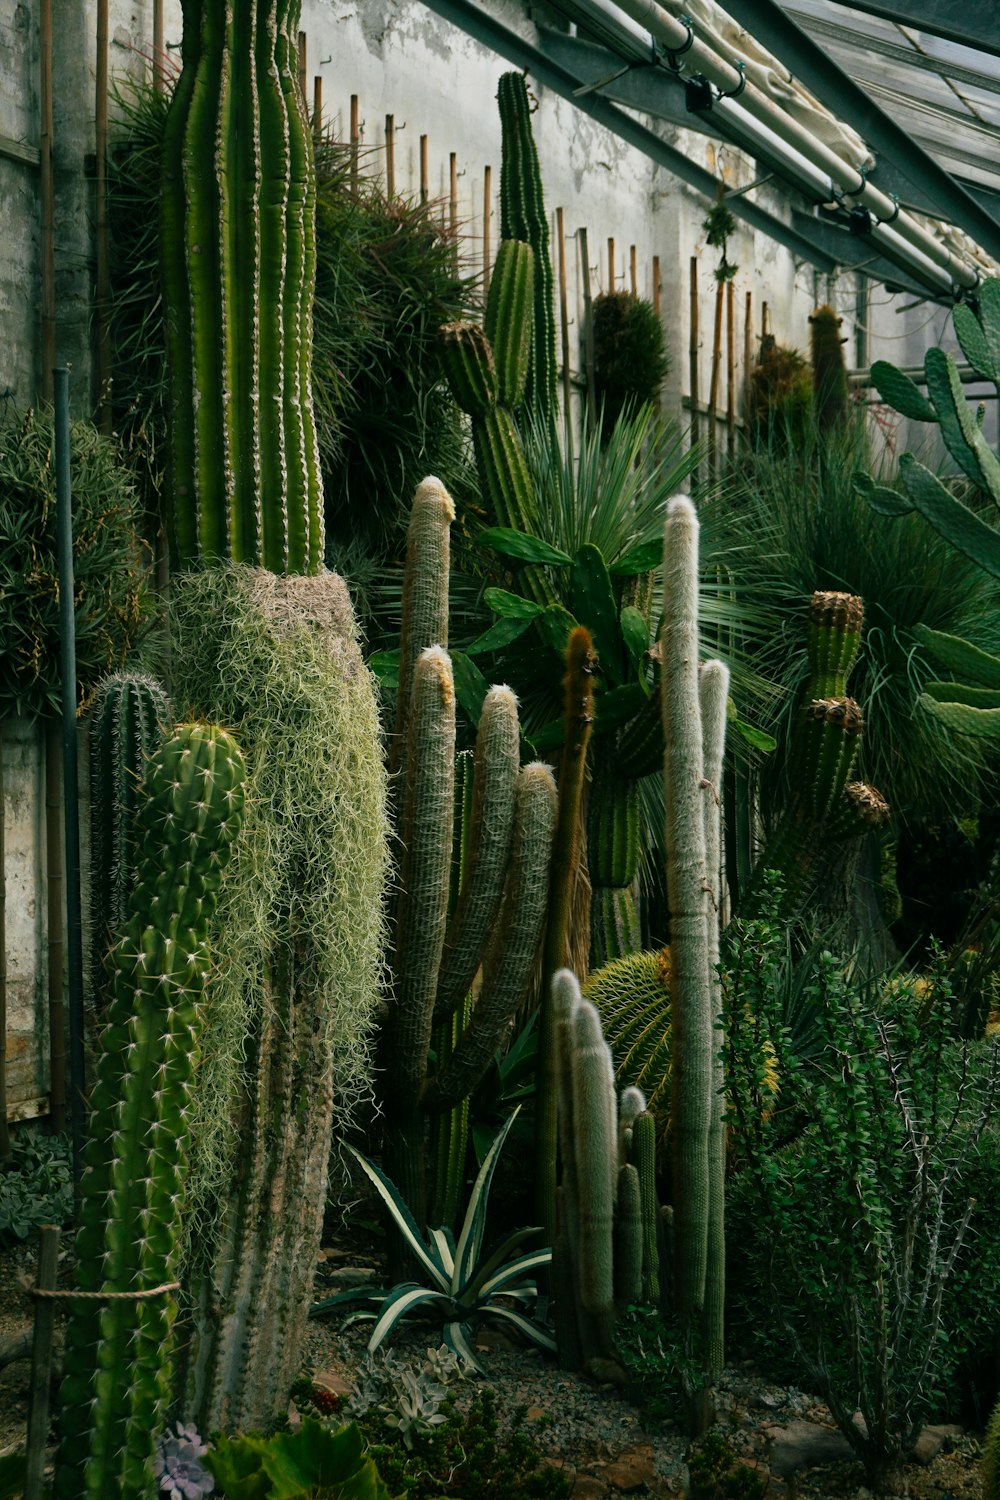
(298, 938)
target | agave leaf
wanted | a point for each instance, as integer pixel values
(498, 1257)
(519, 1267)
(527, 1327)
(456, 1338)
(404, 1220)
(398, 1305)
(345, 1299)
(471, 1238)
(444, 1244)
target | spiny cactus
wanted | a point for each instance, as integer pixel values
(117, 1360)
(523, 217)
(612, 860)
(991, 1457)
(829, 373)
(239, 269)
(127, 720)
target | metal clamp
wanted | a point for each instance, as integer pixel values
(735, 93)
(895, 211)
(674, 54)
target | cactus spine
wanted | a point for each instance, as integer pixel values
(239, 260)
(523, 217)
(127, 720)
(117, 1351)
(991, 1457)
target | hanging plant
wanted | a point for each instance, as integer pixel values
(630, 357)
(718, 227)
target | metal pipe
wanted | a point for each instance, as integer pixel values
(102, 246)
(46, 195)
(71, 811)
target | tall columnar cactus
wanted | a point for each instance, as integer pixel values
(991, 1457)
(487, 945)
(117, 1361)
(127, 722)
(693, 750)
(523, 217)
(238, 264)
(612, 859)
(829, 373)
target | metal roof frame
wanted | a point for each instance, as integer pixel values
(949, 19)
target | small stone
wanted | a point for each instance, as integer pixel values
(535, 1413)
(802, 1445)
(933, 1439)
(632, 1470)
(589, 1487)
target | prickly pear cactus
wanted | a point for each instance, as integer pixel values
(117, 1360)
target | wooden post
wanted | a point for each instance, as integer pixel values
(390, 156)
(633, 271)
(47, 203)
(657, 286)
(424, 176)
(693, 344)
(611, 264)
(159, 50)
(317, 119)
(747, 362)
(303, 74)
(355, 140)
(56, 924)
(730, 370)
(41, 1363)
(764, 329)
(102, 247)
(567, 382)
(588, 329)
(713, 386)
(487, 199)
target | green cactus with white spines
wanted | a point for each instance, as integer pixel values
(523, 217)
(238, 264)
(126, 723)
(117, 1361)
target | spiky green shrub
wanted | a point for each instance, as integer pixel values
(298, 935)
(109, 562)
(630, 357)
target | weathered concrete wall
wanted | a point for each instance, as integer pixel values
(18, 199)
(21, 746)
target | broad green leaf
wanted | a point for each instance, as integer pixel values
(385, 665)
(556, 623)
(396, 1307)
(238, 1467)
(530, 1330)
(882, 499)
(989, 316)
(511, 606)
(898, 391)
(618, 706)
(592, 600)
(758, 738)
(471, 686)
(973, 340)
(499, 635)
(523, 546)
(960, 656)
(317, 1459)
(642, 558)
(635, 632)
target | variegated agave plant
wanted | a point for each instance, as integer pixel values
(465, 1285)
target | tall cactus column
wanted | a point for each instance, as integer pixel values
(117, 1361)
(238, 265)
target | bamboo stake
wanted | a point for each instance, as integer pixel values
(317, 119)
(633, 271)
(303, 74)
(355, 139)
(763, 321)
(487, 197)
(747, 360)
(102, 247)
(5, 1151)
(588, 329)
(693, 346)
(159, 51)
(55, 924)
(47, 204)
(567, 383)
(41, 1363)
(713, 387)
(730, 370)
(657, 285)
(390, 156)
(611, 264)
(424, 175)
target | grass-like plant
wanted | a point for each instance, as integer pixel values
(463, 1285)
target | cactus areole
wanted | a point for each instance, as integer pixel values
(238, 267)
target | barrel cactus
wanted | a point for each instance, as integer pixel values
(117, 1362)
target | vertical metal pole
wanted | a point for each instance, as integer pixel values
(46, 194)
(747, 361)
(55, 924)
(567, 381)
(694, 340)
(425, 186)
(71, 815)
(487, 199)
(390, 156)
(730, 370)
(102, 247)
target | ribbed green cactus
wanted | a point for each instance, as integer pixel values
(642, 1153)
(117, 1361)
(238, 265)
(632, 997)
(991, 1457)
(523, 217)
(612, 859)
(126, 723)
(828, 369)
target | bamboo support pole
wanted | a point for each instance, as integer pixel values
(567, 383)
(355, 140)
(657, 286)
(4, 1131)
(487, 200)
(390, 156)
(159, 50)
(425, 190)
(41, 1363)
(694, 340)
(747, 359)
(611, 264)
(713, 385)
(764, 325)
(730, 369)
(633, 271)
(317, 115)
(56, 926)
(102, 245)
(303, 59)
(453, 194)
(47, 203)
(588, 328)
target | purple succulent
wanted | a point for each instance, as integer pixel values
(177, 1467)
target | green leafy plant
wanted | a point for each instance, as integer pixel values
(13, 1467)
(315, 1463)
(630, 357)
(715, 1473)
(464, 1286)
(112, 594)
(36, 1185)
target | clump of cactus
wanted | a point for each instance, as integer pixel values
(117, 1362)
(238, 270)
(127, 722)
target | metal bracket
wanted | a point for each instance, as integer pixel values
(735, 93)
(673, 54)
